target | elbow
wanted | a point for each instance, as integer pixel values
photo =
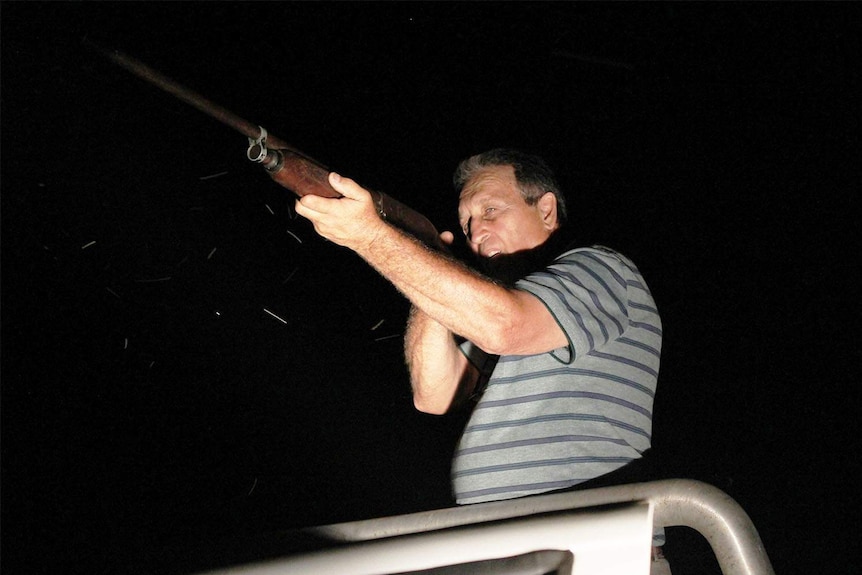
(502, 338)
(433, 397)
(430, 406)
(448, 394)
(427, 397)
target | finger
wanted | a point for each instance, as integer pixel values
(308, 207)
(447, 238)
(311, 202)
(346, 187)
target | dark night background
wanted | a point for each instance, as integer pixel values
(156, 418)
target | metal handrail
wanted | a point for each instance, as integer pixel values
(676, 502)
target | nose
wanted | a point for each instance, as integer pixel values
(477, 234)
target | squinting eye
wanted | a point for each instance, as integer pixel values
(489, 211)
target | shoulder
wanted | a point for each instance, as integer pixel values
(596, 252)
(595, 259)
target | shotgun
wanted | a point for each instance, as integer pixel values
(285, 164)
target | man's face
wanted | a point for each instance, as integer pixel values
(495, 218)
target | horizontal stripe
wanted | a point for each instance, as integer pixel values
(574, 371)
(543, 486)
(556, 417)
(647, 326)
(640, 345)
(519, 465)
(625, 361)
(562, 395)
(643, 307)
(538, 441)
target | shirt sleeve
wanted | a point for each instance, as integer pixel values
(586, 292)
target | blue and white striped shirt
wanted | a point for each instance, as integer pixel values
(560, 418)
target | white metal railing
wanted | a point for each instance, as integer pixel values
(677, 502)
(607, 530)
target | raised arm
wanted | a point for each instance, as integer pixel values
(440, 375)
(499, 320)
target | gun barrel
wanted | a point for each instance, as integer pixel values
(190, 97)
(285, 164)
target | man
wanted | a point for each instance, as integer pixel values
(560, 348)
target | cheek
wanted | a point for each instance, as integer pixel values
(527, 236)
(512, 236)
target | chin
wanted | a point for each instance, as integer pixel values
(508, 268)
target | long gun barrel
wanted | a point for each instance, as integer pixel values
(285, 164)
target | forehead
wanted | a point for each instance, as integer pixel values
(490, 182)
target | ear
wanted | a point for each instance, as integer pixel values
(547, 205)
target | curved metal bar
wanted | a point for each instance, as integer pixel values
(676, 502)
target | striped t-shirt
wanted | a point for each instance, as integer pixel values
(556, 419)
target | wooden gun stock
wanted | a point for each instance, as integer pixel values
(303, 176)
(286, 165)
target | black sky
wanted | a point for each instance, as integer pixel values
(184, 362)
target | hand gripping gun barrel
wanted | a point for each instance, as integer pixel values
(285, 164)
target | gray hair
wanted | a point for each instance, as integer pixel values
(535, 178)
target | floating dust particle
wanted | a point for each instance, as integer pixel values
(275, 316)
(385, 337)
(290, 276)
(210, 177)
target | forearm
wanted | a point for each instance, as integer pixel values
(498, 320)
(455, 296)
(440, 375)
